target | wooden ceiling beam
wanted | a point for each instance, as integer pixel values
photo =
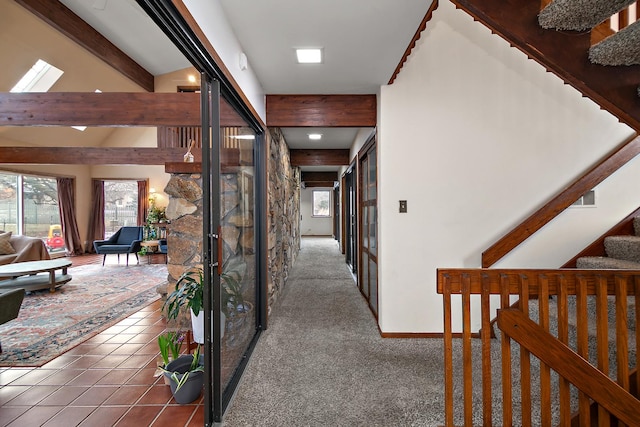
(319, 176)
(319, 157)
(72, 26)
(109, 109)
(316, 184)
(93, 155)
(321, 110)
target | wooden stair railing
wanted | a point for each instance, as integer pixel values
(569, 365)
(520, 379)
(627, 151)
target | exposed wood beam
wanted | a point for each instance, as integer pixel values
(99, 109)
(319, 157)
(111, 109)
(316, 184)
(71, 25)
(93, 155)
(319, 176)
(321, 110)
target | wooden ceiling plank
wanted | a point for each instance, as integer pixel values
(316, 184)
(319, 157)
(71, 25)
(321, 110)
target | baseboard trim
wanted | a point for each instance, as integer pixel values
(438, 335)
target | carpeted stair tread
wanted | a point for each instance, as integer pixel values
(622, 48)
(602, 262)
(623, 247)
(579, 14)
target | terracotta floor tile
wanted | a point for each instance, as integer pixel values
(137, 329)
(143, 377)
(7, 376)
(137, 361)
(126, 395)
(198, 418)
(63, 396)
(104, 348)
(34, 377)
(105, 416)
(127, 322)
(36, 416)
(110, 361)
(84, 362)
(61, 377)
(100, 338)
(172, 416)
(10, 413)
(81, 349)
(151, 348)
(32, 395)
(8, 392)
(128, 348)
(95, 396)
(89, 377)
(115, 329)
(117, 376)
(61, 361)
(139, 416)
(119, 339)
(158, 394)
(70, 416)
(143, 338)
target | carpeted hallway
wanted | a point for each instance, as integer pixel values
(322, 361)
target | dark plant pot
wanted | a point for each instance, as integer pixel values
(192, 388)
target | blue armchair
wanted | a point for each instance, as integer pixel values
(124, 241)
(162, 248)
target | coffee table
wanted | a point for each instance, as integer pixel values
(26, 275)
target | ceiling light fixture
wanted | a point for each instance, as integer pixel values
(309, 56)
(315, 136)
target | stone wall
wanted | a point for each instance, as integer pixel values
(283, 219)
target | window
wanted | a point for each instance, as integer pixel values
(120, 205)
(321, 203)
(29, 205)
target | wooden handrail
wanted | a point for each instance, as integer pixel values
(575, 294)
(627, 151)
(570, 365)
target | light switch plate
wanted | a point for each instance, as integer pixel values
(403, 206)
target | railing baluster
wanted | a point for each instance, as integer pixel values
(584, 404)
(622, 338)
(602, 339)
(485, 308)
(466, 350)
(448, 355)
(525, 358)
(563, 336)
(545, 371)
(505, 345)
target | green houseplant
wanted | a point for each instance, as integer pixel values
(185, 375)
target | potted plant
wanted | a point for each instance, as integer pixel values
(189, 292)
(185, 375)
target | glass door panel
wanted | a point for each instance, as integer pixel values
(368, 226)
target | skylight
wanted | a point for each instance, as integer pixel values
(39, 78)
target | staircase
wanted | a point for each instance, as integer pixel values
(562, 37)
(622, 252)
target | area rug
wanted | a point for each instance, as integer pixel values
(96, 298)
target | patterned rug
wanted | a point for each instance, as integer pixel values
(96, 298)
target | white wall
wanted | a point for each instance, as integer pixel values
(310, 226)
(212, 20)
(475, 137)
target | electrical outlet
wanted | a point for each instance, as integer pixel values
(403, 206)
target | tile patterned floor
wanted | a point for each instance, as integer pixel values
(106, 381)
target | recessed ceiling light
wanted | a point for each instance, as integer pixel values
(309, 56)
(315, 136)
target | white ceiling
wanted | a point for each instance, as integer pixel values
(363, 42)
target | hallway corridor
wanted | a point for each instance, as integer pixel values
(322, 361)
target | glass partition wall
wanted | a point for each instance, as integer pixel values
(234, 242)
